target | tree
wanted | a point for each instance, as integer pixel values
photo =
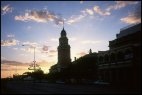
(38, 74)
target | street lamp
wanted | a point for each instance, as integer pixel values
(33, 65)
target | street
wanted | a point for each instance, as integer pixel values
(28, 87)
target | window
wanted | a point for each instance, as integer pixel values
(120, 56)
(128, 54)
(112, 57)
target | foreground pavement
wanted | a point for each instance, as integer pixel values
(28, 87)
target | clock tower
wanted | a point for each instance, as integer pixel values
(63, 51)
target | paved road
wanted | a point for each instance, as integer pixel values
(27, 87)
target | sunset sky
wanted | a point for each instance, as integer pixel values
(89, 24)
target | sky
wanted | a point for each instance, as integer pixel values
(89, 24)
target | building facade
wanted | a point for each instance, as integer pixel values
(121, 63)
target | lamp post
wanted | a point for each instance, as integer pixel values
(34, 59)
(34, 65)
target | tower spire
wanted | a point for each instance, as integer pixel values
(63, 23)
(63, 32)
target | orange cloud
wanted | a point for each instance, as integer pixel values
(39, 16)
(8, 68)
(81, 53)
(131, 19)
(52, 51)
(11, 42)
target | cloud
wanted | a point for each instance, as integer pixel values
(81, 2)
(121, 4)
(11, 42)
(51, 55)
(52, 51)
(38, 48)
(89, 11)
(100, 12)
(31, 44)
(31, 49)
(72, 39)
(23, 54)
(45, 48)
(10, 35)
(133, 17)
(27, 49)
(15, 48)
(54, 39)
(10, 66)
(118, 5)
(81, 53)
(75, 18)
(6, 9)
(3, 58)
(90, 42)
(14, 63)
(42, 16)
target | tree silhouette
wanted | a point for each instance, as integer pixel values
(37, 74)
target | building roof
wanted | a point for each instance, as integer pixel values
(129, 30)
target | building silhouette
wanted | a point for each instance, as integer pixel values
(121, 63)
(63, 53)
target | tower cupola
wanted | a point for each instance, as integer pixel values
(63, 33)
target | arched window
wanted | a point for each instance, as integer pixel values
(106, 58)
(120, 56)
(112, 57)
